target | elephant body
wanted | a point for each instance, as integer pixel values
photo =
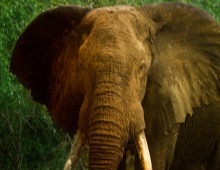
(121, 74)
(193, 144)
(197, 146)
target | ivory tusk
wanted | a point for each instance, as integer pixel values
(143, 151)
(76, 151)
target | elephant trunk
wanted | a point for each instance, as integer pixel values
(105, 151)
(108, 132)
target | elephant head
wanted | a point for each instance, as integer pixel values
(114, 71)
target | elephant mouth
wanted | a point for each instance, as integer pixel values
(80, 142)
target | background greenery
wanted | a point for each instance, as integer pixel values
(28, 139)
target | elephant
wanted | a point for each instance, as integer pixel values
(147, 76)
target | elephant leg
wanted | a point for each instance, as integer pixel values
(162, 149)
(214, 160)
(198, 142)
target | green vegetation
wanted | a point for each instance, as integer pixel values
(28, 139)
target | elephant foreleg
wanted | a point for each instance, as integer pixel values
(162, 149)
(214, 160)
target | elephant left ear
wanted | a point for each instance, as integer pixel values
(185, 71)
(45, 60)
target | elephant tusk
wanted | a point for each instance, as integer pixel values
(143, 151)
(76, 151)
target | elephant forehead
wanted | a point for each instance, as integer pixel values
(110, 12)
(107, 45)
(113, 34)
(123, 18)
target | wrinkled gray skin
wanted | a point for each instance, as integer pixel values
(113, 72)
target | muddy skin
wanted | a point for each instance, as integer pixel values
(147, 75)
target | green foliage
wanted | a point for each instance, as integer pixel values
(28, 138)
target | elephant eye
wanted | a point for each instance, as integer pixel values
(142, 66)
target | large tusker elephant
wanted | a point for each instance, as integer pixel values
(118, 73)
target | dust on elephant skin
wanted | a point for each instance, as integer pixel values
(121, 74)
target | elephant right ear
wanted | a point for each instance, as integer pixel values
(45, 60)
(185, 70)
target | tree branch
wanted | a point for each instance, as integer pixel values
(7, 155)
(11, 131)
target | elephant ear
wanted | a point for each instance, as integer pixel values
(185, 69)
(45, 60)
